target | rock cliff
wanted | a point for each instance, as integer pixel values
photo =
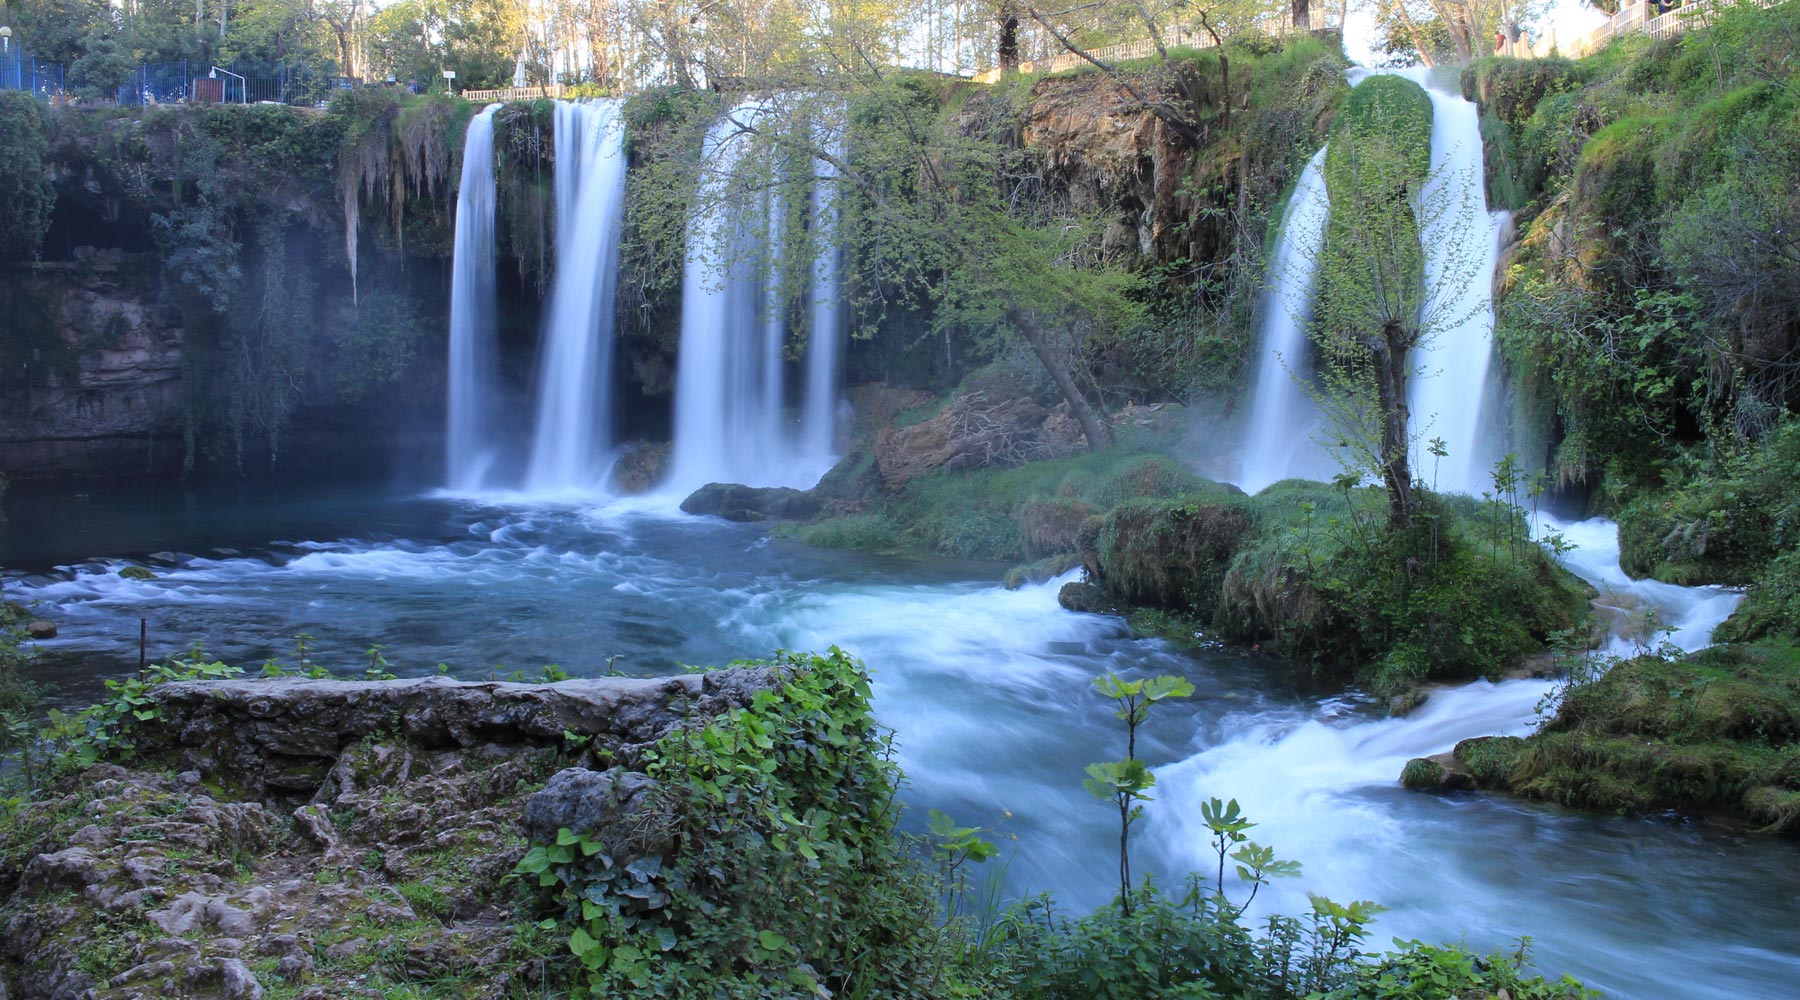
(300, 834)
(106, 395)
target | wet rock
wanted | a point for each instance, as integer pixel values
(1404, 703)
(136, 573)
(752, 503)
(1083, 596)
(1437, 773)
(41, 629)
(640, 467)
(618, 808)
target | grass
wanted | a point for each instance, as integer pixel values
(1010, 515)
(1716, 732)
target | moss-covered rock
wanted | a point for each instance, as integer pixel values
(1171, 553)
(1717, 732)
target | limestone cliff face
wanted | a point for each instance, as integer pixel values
(1105, 157)
(115, 405)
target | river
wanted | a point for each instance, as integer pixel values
(987, 690)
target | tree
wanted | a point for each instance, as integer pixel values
(943, 215)
(1373, 310)
(1173, 89)
(26, 198)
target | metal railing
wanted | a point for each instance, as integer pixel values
(19, 71)
(512, 93)
(1640, 17)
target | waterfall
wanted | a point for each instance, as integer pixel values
(573, 439)
(473, 335)
(731, 388)
(818, 419)
(1283, 418)
(1460, 240)
(1461, 243)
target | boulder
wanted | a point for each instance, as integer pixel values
(41, 629)
(640, 467)
(1437, 773)
(1083, 596)
(618, 808)
(752, 503)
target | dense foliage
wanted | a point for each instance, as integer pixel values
(1650, 305)
(786, 879)
(25, 196)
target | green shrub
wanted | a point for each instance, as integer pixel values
(25, 196)
(1170, 553)
(1725, 525)
(787, 878)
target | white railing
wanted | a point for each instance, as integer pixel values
(1636, 18)
(512, 93)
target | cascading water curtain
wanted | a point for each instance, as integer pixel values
(473, 333)
(733, 381)
(572, 444)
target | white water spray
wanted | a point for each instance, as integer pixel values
(731, 389)
(1460, 239)
(571, 446)
(473, 347)
(818, 423)
(1283, 418)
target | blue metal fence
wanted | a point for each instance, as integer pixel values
(173, 82)
(19, 71)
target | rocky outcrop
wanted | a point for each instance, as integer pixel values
(106, 397)
(282, 736)
(735, 502)
(1080, 595)
(295, 835)
(1114, 160)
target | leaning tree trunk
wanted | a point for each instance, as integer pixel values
(1388, 355)
(1091, 426)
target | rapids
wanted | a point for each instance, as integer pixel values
(987, 690)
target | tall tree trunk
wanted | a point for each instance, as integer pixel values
(1388, 354)
(1008, 48)
(1302, 15)
(1418, 37)
(1096, 432)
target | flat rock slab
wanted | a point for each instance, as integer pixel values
(274, 732)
